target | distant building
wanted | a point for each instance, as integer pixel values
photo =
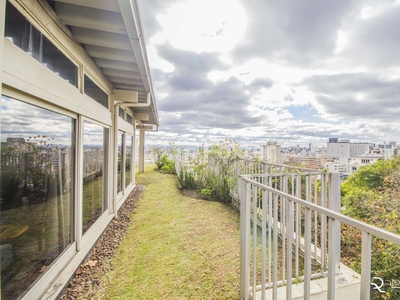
(389, 151)
(338, 149)
(333, 140)
(15, 141)
(307, 161)
(271, 153)
(340, 165)
(362, 160)
(343, 148)
(358, 149)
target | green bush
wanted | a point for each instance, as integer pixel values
(166, 165)
(217, 180)
(187, 179)
(206, 192)
(217, 187)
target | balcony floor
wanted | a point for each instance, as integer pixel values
(176, 247)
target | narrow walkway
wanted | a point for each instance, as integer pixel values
(176, 247)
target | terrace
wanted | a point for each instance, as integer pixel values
(290, 233)
(76, 102)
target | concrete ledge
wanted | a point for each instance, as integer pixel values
(347, 287)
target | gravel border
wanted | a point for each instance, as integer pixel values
(86, 282)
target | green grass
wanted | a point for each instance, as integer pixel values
(176, 247)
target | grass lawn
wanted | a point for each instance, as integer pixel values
(176, 247)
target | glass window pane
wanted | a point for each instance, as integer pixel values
(137, 148)
(129, 118)
(36, 192)
(24, 35)
(128, 146)
(120, 153)
(94, 92)
(94, 137)
(121, 113)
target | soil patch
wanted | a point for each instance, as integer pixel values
(196, 194)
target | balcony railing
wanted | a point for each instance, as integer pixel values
(290, 233)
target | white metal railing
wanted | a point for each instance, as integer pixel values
(290, 229)
(178, 163)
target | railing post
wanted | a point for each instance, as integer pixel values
(244, 239)
(307, 242)
(290, 233)
(365, 266)
(334, 235)
(264, 242)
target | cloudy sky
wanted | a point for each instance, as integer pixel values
(262, 70)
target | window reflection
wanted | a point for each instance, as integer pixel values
(128, 143)
(93, 179)
(121, 113)
(36, 192)
(93, 91)
(120, 154)
(25, 36)
(129, 118)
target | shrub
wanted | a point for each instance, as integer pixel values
(217, 187)
(371, 195)
(206, 192)
(166, 165)
(187, 179)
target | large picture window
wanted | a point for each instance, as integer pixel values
(94, 200)
(36, 192)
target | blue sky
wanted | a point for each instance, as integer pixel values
(258, 70)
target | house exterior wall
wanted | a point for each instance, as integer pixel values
(28, 83)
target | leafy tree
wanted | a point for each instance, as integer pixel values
(372, 195)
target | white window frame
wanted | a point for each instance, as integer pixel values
(132, 158)
(59, 263)
(106, 172)
(120, 194)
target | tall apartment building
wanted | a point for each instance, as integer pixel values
(343, 148)
(271, 152)
(357, 149)
(338, 149)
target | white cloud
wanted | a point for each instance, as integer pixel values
(296, 72)
(204, 25)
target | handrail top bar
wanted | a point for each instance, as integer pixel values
(278, 165)
(285, 173)
(391, 237)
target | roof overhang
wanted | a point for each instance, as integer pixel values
(111, 33)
